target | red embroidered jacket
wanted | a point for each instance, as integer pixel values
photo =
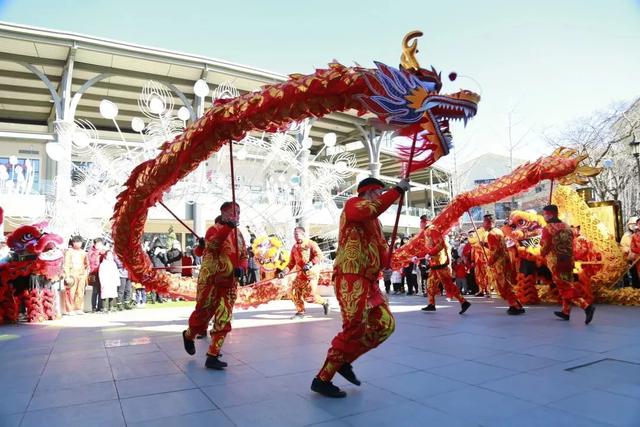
(303, 253)
(437, 249)
(362, 249)
(556, 246)
(221, 255)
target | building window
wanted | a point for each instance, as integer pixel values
(503, 210)
(20, 176)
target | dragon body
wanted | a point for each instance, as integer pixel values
(408, 100)
(599, 261)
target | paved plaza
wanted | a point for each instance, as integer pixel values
(438, 369)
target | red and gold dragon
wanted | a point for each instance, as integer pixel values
(599, 261)
(407, 99)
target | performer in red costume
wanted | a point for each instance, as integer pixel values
(503, 272)
(440, 270)
(305, 253)
(362, 252)
(224, 260)
(557, 248)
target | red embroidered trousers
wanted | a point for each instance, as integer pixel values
(442, 275)
(363, 327)
(570, 293)
(305, 286)
(217, 302)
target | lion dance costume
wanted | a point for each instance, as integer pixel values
(29, 276)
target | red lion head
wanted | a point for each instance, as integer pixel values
(33, 240)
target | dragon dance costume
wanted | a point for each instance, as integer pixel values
(217, 284)
(557, 247)
(304, 255)
(481, 270)
(362, 251)
(503, 271)
(440, 271)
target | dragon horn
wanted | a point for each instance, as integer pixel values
(581, 157)
(408, 59)
(588, 171)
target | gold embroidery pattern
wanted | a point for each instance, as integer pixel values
(349, 298)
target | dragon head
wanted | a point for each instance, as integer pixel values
(409, 100)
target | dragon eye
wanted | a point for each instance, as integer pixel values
(27, 237)
(522, 223)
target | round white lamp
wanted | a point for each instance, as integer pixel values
(183, 114)
(156, 105)
(108, 109)
(137, 124)
(329, 139)
(55, 150)
(201, 88)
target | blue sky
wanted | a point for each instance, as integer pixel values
(547, 61)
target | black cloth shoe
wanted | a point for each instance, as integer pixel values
(479, 294)
(199, 337)
(515, 311)
(189, 345)
(561, 315)
(589, 314)
(430, 307)
(346, 370)
(326, 388)
(464, 307)
(214, 363)
(325, 307)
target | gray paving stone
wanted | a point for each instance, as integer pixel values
(198, 419)
(10, 420)
(442, 369)
(124, 370)
(534, 388)
(603, 407)
(406, 414)
(153, 385)
(478, 405)
(417, 386)
(13, 403)
(292, 411)
(99, 414)
(87, 393)
(471, 372)
(547, 417)
(155, 406)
